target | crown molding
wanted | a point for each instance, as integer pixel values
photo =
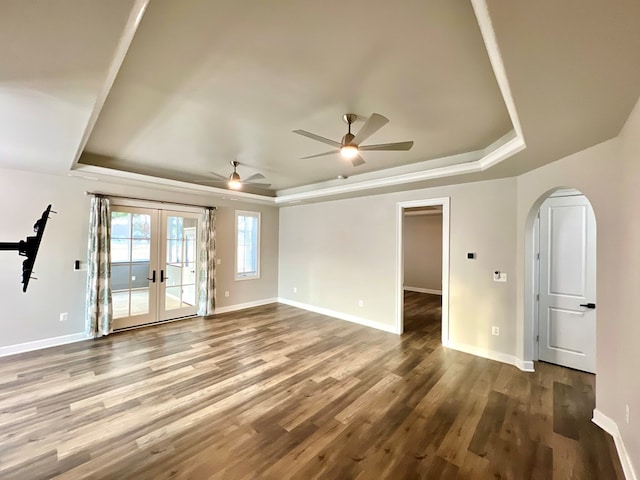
(92, 172)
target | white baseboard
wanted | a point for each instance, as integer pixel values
(340, 315)
(524, 365)
(423, 290)
(611, 427)
(40, 344)
(242, 306)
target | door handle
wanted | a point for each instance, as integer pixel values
(153, 277)
(162, 277)
(588, 305)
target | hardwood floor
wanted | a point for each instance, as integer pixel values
(275, 392)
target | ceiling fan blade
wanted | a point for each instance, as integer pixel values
(313, 136)
(261, 185)
(321, 154)
(371, 126)
(388, 146)
(357, 161)
(221, 177)
(255, 176)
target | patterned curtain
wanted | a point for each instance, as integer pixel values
(99, 309)
(207, 258)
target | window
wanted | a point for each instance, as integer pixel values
(247, 245)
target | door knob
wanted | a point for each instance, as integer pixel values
(153, 277)
(588, 305)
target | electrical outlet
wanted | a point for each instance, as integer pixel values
(226, 293)
(295, 289)
(361, 303)
(626, 413)
(64, 317)
(495, 330)
(133, 278)
(218, 261)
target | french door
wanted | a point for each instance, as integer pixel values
(153, 265)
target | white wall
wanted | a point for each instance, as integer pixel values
(34, 316)
(246, 291)
(627, 281)
(423, 251)
(338, 252)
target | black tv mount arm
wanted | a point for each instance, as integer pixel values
(29, 247)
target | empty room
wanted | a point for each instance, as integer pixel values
(337, 240)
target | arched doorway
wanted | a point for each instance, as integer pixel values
(561, 261)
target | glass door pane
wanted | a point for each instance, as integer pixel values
(178, 295)
(132, 265)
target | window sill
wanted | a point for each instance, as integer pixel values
(247, 277)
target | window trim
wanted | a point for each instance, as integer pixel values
(242, 276)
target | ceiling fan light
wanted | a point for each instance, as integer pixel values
(234, 181)
(349, 152)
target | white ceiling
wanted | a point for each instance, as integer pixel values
(195, 84)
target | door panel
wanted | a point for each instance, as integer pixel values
(567, 230)
(178, 295)
(567, 279)
(133, 254)
(566, 330)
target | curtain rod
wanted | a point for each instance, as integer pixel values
(164, 202)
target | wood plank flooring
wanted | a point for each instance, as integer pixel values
(275, 392)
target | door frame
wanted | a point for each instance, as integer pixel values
(159, 207)
(400, 207)
(532, 272)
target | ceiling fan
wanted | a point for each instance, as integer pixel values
(234, 181)
(350, 146)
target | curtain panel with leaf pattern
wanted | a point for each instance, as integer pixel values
(207, 258)
(99, 310)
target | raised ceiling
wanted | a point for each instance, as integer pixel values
(204, 83)
(165, 92)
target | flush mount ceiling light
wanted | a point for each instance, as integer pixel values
(350, 146)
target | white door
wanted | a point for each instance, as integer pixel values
(567, 317)
(134, 268)
(179, 266)
(153, 265)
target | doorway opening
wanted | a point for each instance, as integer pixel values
(430, 289)
(560, 276)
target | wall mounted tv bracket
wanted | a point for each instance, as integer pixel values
(29, 247)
